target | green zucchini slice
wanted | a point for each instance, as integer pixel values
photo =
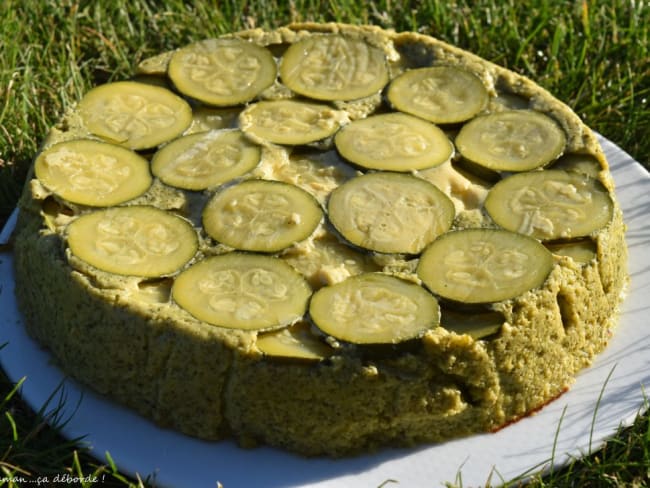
(390, 212)
(290, 122)
(484, 265)
(582, 252)
(206, 159)
(334, 67)
(440, 94)
(580, 163)
(222, 72)
(133, 241)
(212, 118)
(513, 140)
(135, 115)
(294, 342)
(154, 65)
(393, 142)
(242, 291)
(478, 325)
(261, 215)
(93, 173)
(550, 204)
(374, 308)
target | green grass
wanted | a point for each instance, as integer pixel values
(593, 55)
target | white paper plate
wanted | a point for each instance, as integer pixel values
(605, 396)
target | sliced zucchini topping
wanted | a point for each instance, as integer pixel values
(134, 115)
(580, 163)
(484, 265)
(294, 342)
(334, 67)
(477, 325)
(290, 122)
(374, 308)
(550, 204)
(205, 160)
(155, 65)
(261, 215)
(514, 140)
(393, 142)
(582, 252)
(213, 118)
(93, 173)
(485, 174)
(134, 241)
(401, 205)
(390, 212)
(440, 94)
(222, 72)
(242, 291)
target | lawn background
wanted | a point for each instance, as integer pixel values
(593, 55)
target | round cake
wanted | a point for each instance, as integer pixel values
(326, 238)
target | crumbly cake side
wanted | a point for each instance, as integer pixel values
(126, 338)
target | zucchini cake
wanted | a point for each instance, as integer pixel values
(326, 238)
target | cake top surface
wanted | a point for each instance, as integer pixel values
(340, 151)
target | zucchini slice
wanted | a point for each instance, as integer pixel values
(133, 241)
(513, 140)
(478, 325)
(135, 115)
(334, 67)
(290, 122)
(242, 291)
(580, 163)
(582, 252)
(294, 342)
(212, 118)
(550, 204)
(154, 65)
(206, 159)
(261, 215)
(484, 265)
(440, 94)
(393, 142)
(93, 173)
(390, 212)
(374, 308)
(222, 72)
